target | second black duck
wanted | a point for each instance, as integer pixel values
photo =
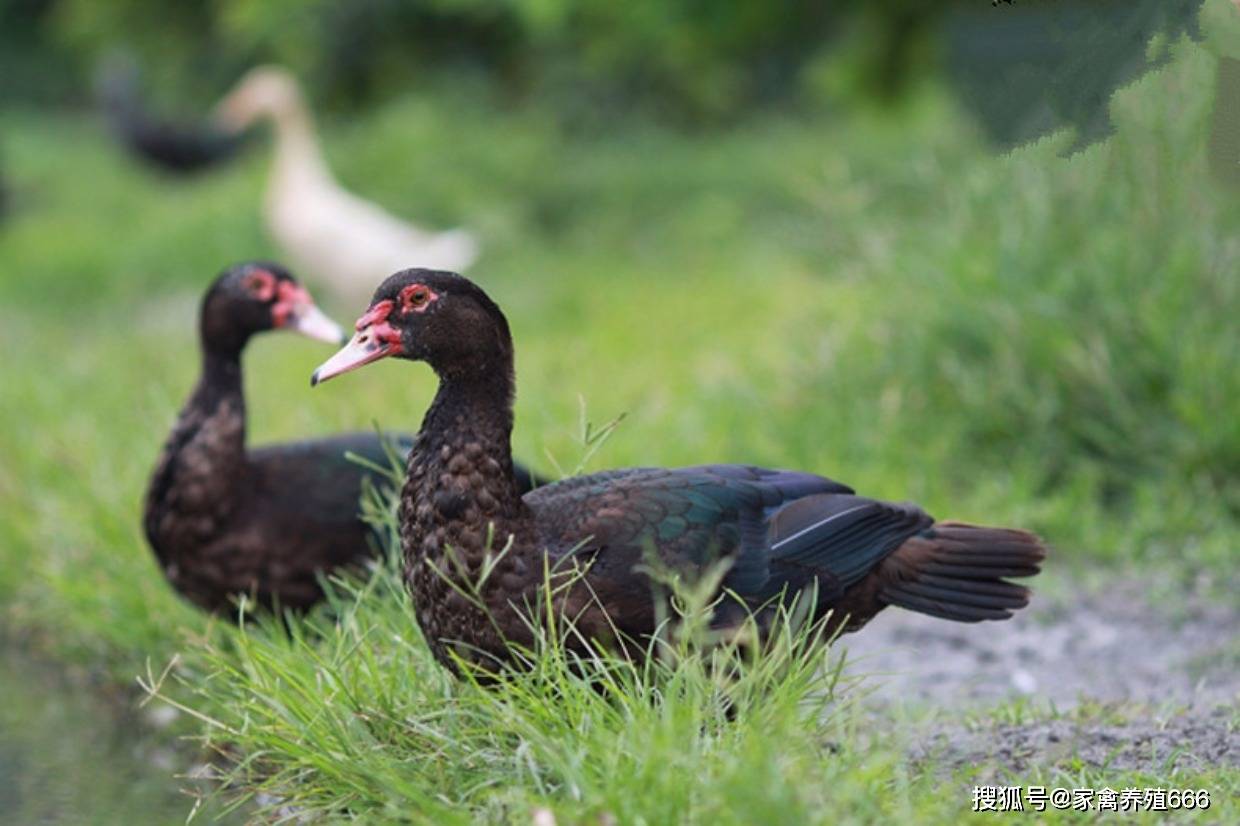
(173, 145)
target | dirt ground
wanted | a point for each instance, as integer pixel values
(1114, 672)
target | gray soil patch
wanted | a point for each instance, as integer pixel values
(1107, 673)
(1185, 741)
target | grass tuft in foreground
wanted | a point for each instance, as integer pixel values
(346, 712)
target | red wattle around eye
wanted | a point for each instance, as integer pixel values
(416, 298)
(288, 296)
(262, 284)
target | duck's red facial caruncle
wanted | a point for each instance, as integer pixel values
(292, 308)
(291, 299)
(375, 338)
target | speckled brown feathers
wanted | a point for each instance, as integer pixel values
(190, 495)
(457, 499)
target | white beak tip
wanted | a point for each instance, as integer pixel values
(311, 322)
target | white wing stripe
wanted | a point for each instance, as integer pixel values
(816, 526)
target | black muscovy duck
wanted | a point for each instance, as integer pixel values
(225, 520)
(782, 530)
(179, 146)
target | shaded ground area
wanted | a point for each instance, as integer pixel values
(72, 752)
(1111, 673)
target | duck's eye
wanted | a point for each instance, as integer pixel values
(415, 297)
(261, 284)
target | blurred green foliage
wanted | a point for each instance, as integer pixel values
(705, 57)
(690, 61)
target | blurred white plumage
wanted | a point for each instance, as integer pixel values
(328, 233)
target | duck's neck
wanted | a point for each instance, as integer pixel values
(196, 478)
(220, 394)
(211, 427)
(460, 469)
(298, 158)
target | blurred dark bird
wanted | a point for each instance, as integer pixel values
(781, 532)
(173, 145)
(225, 520)
(327, 232)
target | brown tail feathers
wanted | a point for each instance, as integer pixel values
(956, 571)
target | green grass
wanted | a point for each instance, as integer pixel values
(346, 715)
(330, 731)
(1025, 340)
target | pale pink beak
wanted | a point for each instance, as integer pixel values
(366, 346)
(312, 322)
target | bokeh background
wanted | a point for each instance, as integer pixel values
(984, 257)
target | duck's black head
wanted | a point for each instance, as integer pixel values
(258, 296)
(438, 317)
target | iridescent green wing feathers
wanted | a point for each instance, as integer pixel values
(781, 529)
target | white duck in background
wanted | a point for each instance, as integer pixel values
(339, 239)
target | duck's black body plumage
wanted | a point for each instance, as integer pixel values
(780, 532)
(266, 522)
